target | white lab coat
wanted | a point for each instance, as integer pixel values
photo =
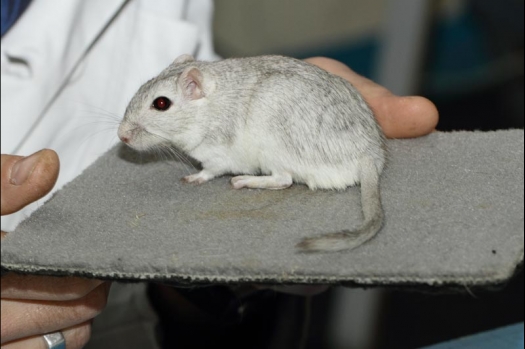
(39, 52)
(41, 49)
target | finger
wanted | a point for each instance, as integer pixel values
(48, 288)
(405, 117)
(27, 179)
(75, 337)
(399, 117)
(21, 319)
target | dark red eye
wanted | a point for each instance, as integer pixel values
(161, 103)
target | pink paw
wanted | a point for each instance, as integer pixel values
(240, 182)
(194, 179)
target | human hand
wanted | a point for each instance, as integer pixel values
(399, 117)
(31, 305)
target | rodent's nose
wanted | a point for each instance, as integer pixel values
(126, 131)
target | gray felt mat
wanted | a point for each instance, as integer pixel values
(453, 203)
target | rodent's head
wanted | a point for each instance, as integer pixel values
(165, 109)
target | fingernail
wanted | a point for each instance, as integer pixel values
(23, 168)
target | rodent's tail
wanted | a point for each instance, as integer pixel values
(372, 212)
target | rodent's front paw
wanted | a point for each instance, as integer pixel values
(194, 179)
(240, 181)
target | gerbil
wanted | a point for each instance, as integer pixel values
(273, 120)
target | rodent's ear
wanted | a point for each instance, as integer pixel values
(183, 59)
(190, 82)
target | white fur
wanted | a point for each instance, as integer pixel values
(275, 117)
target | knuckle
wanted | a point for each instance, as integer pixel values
(95, 302)
(78, 336)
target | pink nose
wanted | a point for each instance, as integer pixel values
(124, 139)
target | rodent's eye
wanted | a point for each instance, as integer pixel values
(161, 103)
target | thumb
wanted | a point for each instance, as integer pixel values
(27, 179)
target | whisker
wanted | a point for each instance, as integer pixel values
(94, 134)
(173, 152)
(183, 160)
(100, 110)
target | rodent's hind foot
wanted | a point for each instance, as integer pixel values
(275, 181)
(198, 178)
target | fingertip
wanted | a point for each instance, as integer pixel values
(426, 114)
(46, 172)
(27, 179)
(43, 177)
(407, 117)
(433, 117)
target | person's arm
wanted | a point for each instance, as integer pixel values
(32, 306)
